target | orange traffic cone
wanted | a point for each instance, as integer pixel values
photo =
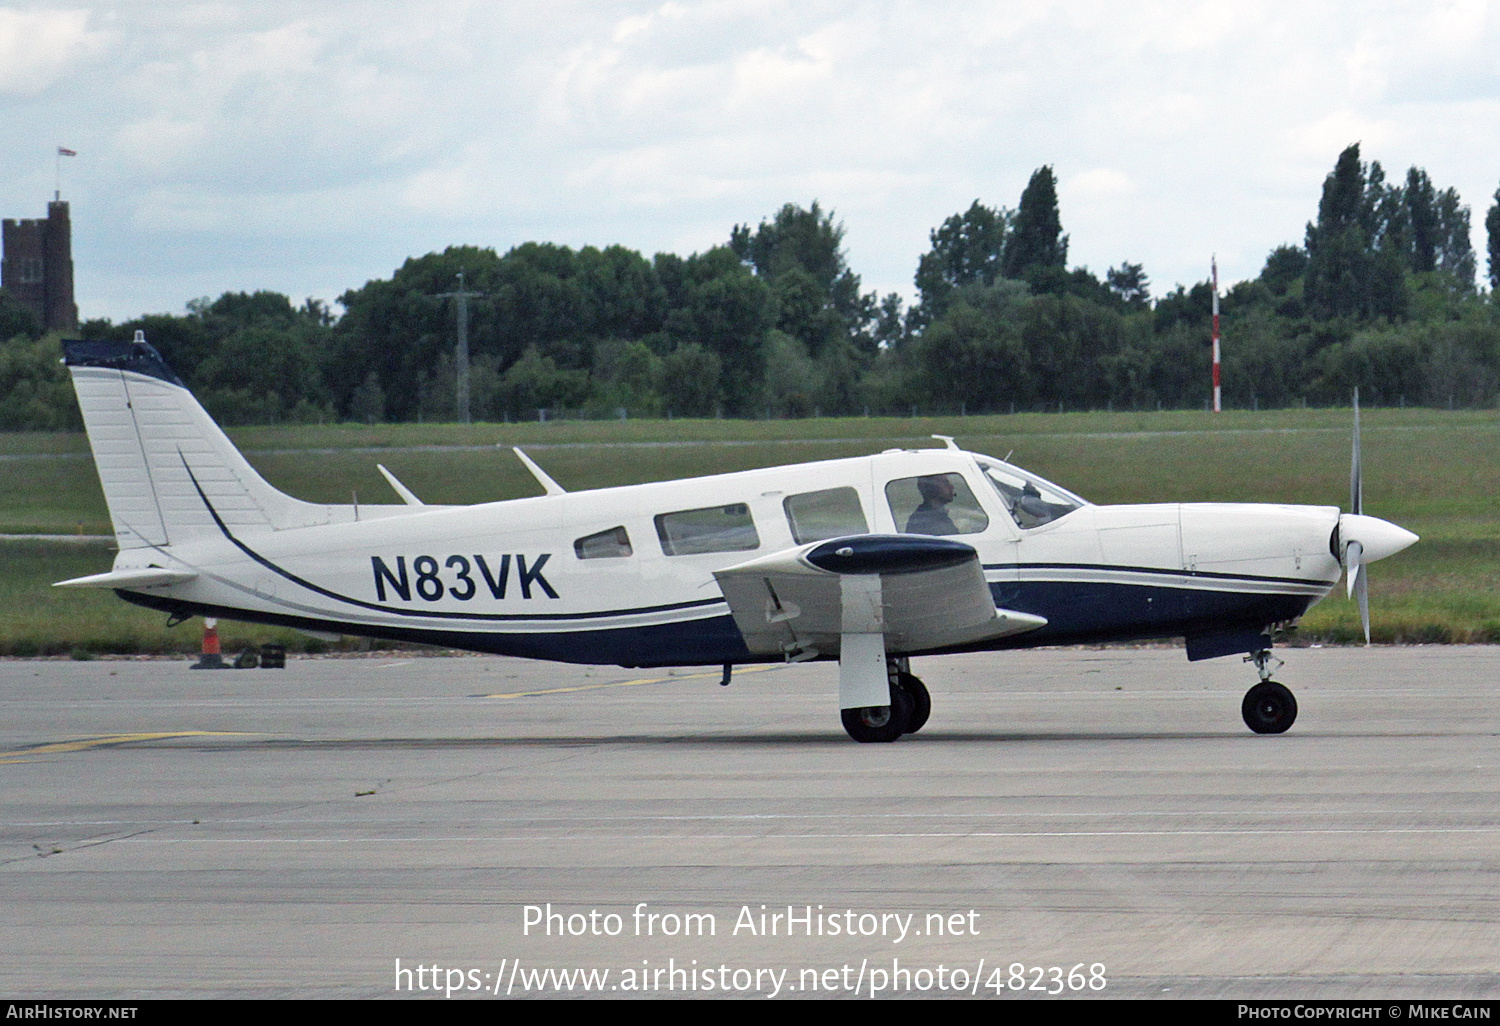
(210, 659)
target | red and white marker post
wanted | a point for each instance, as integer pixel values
(1215, 265)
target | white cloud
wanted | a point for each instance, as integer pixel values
(1099, 183)
(38, 47)
(374, 129)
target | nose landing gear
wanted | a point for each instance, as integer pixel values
(1269, 707)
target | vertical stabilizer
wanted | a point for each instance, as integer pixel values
(162, 460)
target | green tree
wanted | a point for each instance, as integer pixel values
(1421, 206)
(1338, 258)
(816, 297)
(35, 391)
(535, 382)
(1348, 275)
(16, 318)
(891, 325)
(1036, 239)
(625, 375)
(793, 380)
(260, 373)
(971, 359)
(1284, 266)
(975, 355)
(367, 403)
(690, 380)
(1129, 284)
(966, 250)
(718, 303)
(1492, 229)
(1455, 247)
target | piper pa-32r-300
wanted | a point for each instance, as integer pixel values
(870, 561)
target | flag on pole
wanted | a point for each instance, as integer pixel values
(62, 151)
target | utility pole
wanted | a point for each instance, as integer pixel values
(461, 364)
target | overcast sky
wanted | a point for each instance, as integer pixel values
(308, 147)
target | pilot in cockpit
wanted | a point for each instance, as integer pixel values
(931, 517)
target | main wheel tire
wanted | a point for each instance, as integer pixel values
(880, 722)
(921, 701)
(1269, 708)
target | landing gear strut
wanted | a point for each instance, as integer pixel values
(1269, 707)
(907, 713)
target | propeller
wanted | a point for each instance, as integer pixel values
(1357, 578)
(1362, 539)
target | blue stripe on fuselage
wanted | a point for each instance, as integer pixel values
(1092, 612)
(1076, 613)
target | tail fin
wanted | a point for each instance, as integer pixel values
(166, 468)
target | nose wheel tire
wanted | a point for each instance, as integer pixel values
(880, 722)
(1269, 708)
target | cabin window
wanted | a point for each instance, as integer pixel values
(1032, 501)
(609, 544)
(831, 513)
(935, 504)
(713, 529)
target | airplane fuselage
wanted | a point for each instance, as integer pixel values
(626, 575)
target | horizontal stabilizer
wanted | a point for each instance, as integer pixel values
(145, 577)
(920, 593)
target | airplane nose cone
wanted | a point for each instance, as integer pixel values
(1378, 538)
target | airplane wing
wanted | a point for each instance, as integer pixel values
(919, 592)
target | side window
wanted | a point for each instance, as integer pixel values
(713, 529)
(814, 516)
(609, 544)
(935, 504)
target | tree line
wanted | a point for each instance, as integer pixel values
(1381, 293)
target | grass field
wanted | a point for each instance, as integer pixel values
(1434, 472)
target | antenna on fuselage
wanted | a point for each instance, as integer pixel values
(948, 441)
(407, 495)
(550, 486)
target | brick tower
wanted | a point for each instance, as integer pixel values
(37, 266)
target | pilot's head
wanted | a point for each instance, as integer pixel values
(936, 488)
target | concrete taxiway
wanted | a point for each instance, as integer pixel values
(167, 832)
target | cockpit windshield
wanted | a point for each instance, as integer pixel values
(1032, 500)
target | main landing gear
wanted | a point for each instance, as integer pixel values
(1269, 707)
(907, 713)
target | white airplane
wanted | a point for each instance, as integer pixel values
(870, 560)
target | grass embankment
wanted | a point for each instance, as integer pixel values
(1435, 472)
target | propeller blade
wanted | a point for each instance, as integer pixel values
(1356, 485)
(1353, 566)
(1362, 592)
